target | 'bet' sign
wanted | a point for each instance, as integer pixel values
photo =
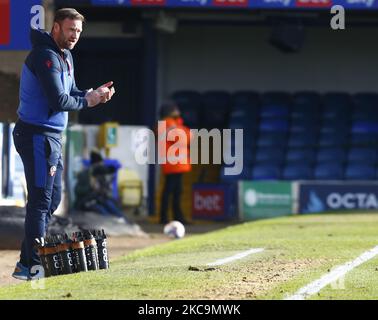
(212, 202)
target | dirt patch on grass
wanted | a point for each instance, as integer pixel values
(253, 281)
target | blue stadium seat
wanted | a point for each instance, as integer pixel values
(274, 125)
(270, 155)
(336, 155)
(337, 100)
(301, 140)
(339, 113)
(245, 175)
(337, 138)
(276, 98)
(342, 122)
(247, 150)
(307, 99)
(304, 122)
(342, 129)
(245, 112)
(364, 139)
(365, 127)
(337, 105)
(365, 99)
(366, 107)
(360, 172)
(266, 172)
(187, 99)
(365, 114)
(271, 139)
(301, 127)
(189, 103)
(300, 155)
(297, 172)
(248, 99)
(237, 121)
(331, 139)
(362, 156)
(329, 171)
(305, 116)
(216, 108)
(274, 111)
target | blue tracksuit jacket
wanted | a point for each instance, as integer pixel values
(48, 89)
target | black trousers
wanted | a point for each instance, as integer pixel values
(172, 188)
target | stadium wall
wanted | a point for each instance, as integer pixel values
(241, 58)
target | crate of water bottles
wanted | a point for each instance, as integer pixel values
(80, 252)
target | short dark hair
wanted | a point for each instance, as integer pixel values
(167, 108)
(69, 13)
(95, 156)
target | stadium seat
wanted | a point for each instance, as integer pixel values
(360, 172)
(307, 99)
(366, 107)
(245, 175)
(329, 171)
(336, 100)
(247, 149)
(274, 111)
(266, 172)
(364, 139)
(274, 125)
(365, 99)
(189, 103)
(300, 155)
(276, 98)
(362, 156)
(244, 112)
(216, 108)
(329, 139)
(297, 172)
(365, 114)
(306, 122)
(271, 139)
(341, 130)
(365, 127)
(270, 155)
(342, 122)
(336, 155)
(237, 121)
(300, 140)
(303, 127)
(304, 115)
(339, 113)
(248, 99)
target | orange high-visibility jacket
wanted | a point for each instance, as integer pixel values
(176, 152)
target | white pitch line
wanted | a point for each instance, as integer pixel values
(334, 275)
(235, 257)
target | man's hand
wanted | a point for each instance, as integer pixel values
(93, 98)
(101, 95)
(106, 91)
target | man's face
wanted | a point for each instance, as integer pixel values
(67, 33)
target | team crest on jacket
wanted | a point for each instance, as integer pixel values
(48, 63)
(52, 171)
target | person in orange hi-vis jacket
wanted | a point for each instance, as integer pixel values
(174, 156)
